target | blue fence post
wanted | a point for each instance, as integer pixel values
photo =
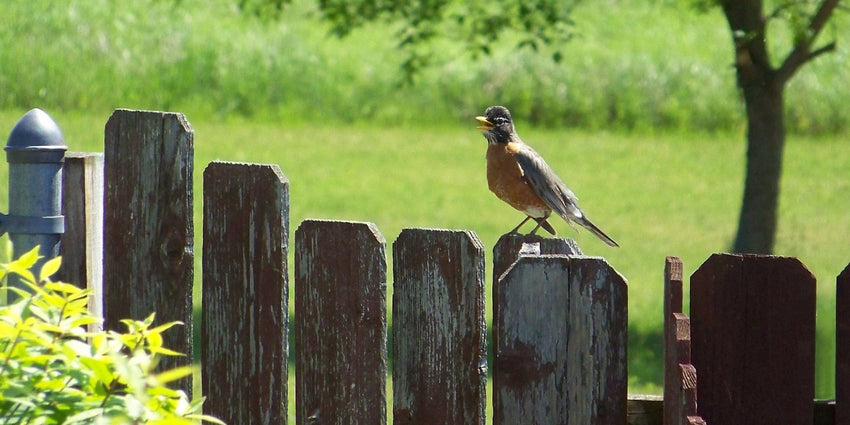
(35, 152)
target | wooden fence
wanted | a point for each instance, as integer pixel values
(746, 355)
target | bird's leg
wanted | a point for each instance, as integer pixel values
(516, 229)
(539, 223)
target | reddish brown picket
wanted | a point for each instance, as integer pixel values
(753, 327)
(842, 347)
(340, 323)
(245, 315)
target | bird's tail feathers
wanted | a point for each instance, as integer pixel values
(585, 222)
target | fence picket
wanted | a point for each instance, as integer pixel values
(506, 251)
(439, 352)
(673, 346)
(753, 329)
(245, 314)
(842, 347)
(680, 376)
(82, 242)
(561, 356)
(340, 323)
(148, 229)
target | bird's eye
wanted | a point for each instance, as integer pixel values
(501, 120)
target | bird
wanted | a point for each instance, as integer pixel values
(518, 175)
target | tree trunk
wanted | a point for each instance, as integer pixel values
(762, 86)
(765, 143)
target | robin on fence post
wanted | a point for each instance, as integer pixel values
(519, 176)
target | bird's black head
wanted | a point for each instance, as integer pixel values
(496, 124)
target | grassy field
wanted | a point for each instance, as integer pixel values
(644, 65)
(656, 195)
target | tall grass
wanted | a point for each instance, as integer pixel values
(634, 65)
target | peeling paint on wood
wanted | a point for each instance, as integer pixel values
(148, 228)
(245, 314)
(561, 356)
(340, 323)
(439, 353)
(82, 242)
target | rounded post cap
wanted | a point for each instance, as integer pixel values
(35, 138)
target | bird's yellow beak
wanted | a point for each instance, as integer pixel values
(485, 125)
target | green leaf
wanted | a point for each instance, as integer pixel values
(154, 339)
(165, 351)
(175, 374)
(62, 287)
(205, 418)
(27, 260)
(50, 268)
(100, 368)
(85, 416)
(165, 326)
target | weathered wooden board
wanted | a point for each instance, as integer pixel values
(752, 330)
(439, 351)
(679, 374)
(82, 242)
(340, 323)
(561, 356)
(148, 229)
(842, 347)
(245, 314)
(507, 250)
(508, 247)
(646, 410)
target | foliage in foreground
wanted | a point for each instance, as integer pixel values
(54, 371)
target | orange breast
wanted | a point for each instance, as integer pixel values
(504, 176)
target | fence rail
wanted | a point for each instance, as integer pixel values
(560, 319)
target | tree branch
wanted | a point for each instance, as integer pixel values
(821, 50)
(802, 50)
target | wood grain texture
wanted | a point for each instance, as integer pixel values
(148, 229)
(842, 347)
(752, 329)
(340, 323)
(507, 250)
(647, 410)
(439, 351)
(679, 375)
(82, 242)
(561, 356)
(245, 315)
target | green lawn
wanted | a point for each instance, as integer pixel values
(656, 195)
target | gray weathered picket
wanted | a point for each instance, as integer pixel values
(148, 230)
(82, 242)
(245, 317)
(439, 351)
(561, 355)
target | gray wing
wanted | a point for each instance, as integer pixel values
(554, 192)
(548, 186)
